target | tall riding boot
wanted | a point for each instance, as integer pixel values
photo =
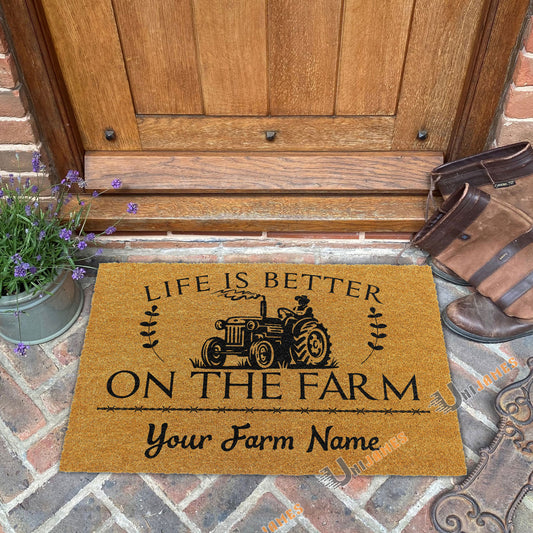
(505, 173)
(487, 242)
(478, 319)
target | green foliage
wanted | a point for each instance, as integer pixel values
(36, 241)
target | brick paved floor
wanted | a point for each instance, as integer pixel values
(36, 391)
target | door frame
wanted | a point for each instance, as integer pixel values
(28, 32)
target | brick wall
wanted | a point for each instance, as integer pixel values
(18, 138)
(516, 122)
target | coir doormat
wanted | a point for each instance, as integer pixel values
(263, 369)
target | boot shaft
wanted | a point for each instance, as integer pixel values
(487, 242)
(505, 173)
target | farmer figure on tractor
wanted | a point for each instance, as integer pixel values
(297, 312)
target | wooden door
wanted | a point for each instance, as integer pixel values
(314, 92)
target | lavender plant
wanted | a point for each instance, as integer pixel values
(37, 240)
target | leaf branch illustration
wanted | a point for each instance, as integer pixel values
(149, 333)
(378, 334)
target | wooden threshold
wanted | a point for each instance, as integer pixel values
(359, 172)
(233, 191)
(260, 212)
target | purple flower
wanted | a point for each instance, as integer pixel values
(95, 194)
(73, 176)
(32, 270)
(99, 251)
(78, 273)
(68, 198)
(90, 237)
(17, 258)
(132, 208)
(42, 234)
(116, 183)
(38, 257)
(9, 201)
(21, 270)
(110, 230)
(21, 349)
(34, 189)
(36, 161)
(27, 208)
(55, 189)
(82, 245)
(65, 234)
(1, 193)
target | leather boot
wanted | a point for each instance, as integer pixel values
(488, 243)
(478, 319)
(505, 172)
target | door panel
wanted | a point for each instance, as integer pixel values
(292, 133)
(160, 55)
(441, 47)
(232, 56)
(88, 49)
(303, 42)
(372, 56)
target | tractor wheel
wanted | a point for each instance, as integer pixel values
(214, 352)
(311, 344)
(262, 354)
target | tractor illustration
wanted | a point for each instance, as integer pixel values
(293, 337)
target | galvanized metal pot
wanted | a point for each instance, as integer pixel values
(41, 318)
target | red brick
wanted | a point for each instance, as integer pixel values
(8, 72)
(307, 236)
(35, 367)
(14, 475)
(70, 349)
(276, 257)
(320, 506)
(16, 132)
(387, 236)
(357, 486)
(519, 103)
(108, 244)
(267, 509)
(421, 522)
(216, 234)
(225, 495)
(154, 258)
(17, 410)
(12, 103)
(47, 452)
(175, 486)
(16, 161)
(251, 243)
(171, 244)
(59, 396)
(523, 73)
(509, 131)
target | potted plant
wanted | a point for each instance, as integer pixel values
(42, 253)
